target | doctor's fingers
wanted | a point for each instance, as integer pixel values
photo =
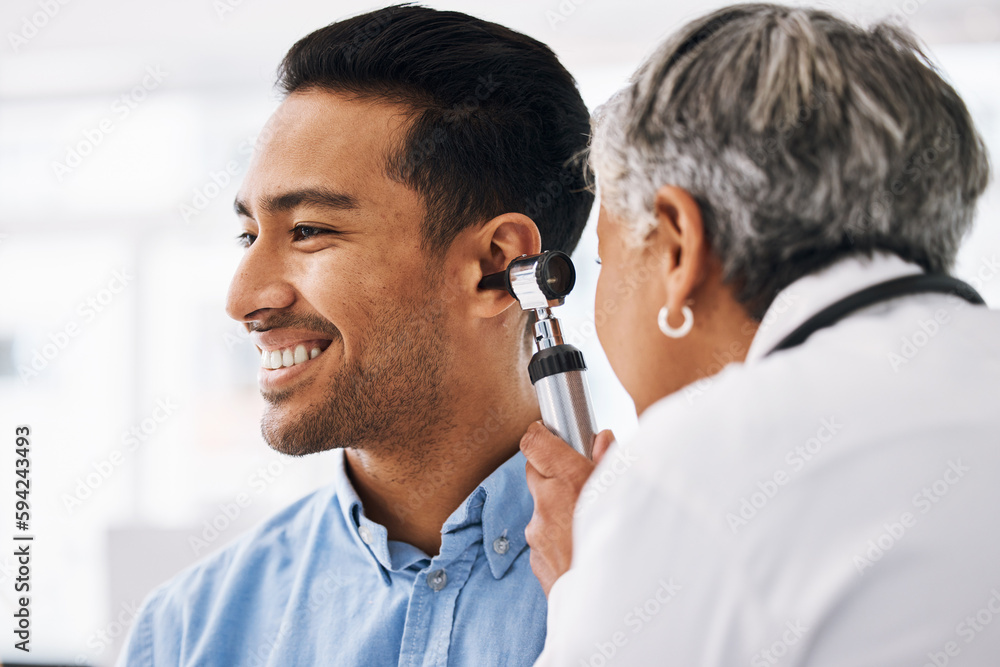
(554, 493)
(544, 569)
(551, 525)
(602, 441)
(550, 532)
(551, 456)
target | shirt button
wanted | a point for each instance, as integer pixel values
(501, 545)
(437, 580)
(366, 535)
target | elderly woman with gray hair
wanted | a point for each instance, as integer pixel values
(816, 475)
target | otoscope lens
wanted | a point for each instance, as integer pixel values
(556, 275)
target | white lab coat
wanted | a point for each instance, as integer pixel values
(833, 505)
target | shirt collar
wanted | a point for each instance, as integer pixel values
(812, 293)
(499, 508)
(503, 506)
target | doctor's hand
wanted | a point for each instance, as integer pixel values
(556, 473)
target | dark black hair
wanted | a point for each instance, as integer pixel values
(498, 124)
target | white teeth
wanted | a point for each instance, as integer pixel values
(287, 357)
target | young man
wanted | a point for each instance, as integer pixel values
(415, 151)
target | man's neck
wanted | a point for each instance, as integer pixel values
(412, 493)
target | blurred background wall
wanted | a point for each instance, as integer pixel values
(125, 131)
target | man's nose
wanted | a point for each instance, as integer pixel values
(260, 282)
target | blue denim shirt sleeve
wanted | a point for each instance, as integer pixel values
(139, 649)
(321, 584)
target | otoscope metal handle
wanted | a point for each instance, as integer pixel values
(567, 410)
(559, 375)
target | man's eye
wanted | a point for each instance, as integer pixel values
(245, 239)
(304, 232)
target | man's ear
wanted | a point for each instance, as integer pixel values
(679, 240)
(489, 249)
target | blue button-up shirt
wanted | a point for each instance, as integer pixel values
(321, 584)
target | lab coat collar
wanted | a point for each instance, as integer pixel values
(812, 293)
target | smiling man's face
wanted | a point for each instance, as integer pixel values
(334, 286)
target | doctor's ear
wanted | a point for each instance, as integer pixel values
(679, 240)
(489, 249)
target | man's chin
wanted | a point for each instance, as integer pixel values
(293, 432)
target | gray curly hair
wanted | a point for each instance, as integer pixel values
(802, 137)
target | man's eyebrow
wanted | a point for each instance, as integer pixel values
(287, 201)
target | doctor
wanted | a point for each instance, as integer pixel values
(816, 475)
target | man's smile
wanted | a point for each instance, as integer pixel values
(285, 353)
(292, 355)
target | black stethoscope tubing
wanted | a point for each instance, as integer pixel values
(891, 289)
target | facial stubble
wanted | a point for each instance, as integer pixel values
(388, 397)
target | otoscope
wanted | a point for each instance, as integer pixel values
(557, 370)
